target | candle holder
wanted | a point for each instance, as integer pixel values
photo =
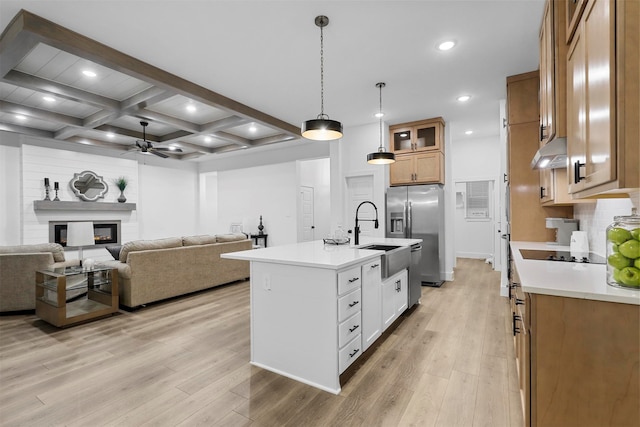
(46, 190)
(56, 199)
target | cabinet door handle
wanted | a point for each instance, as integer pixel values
(353, 304)
(515, 327)
(519, 301)
(355, 279)
(542, 192)
(354, 352)
(576, 171)
(375, 265)
(398, 285)
(504, 179)
(354, 328)
(542, 129)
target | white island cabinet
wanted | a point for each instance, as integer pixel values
(315, 308)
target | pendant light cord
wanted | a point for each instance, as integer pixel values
(380, 86)
(322, 115)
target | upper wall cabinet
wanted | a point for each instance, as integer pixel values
(419, 149)
(424, 135)
(573, 13)
(603, 116)
(553, 56)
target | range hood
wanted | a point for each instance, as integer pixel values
(552, 156)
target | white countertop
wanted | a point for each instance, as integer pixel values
(317, 254)
(567, 279)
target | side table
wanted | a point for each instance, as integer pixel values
(257, 237)
(101, 299)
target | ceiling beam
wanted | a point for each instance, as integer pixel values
(26, 130)
(10, 107)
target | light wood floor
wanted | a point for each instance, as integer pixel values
(449, 362)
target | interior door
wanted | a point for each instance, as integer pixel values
(306, 213)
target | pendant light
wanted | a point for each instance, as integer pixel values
(321, 128)
(381, 157)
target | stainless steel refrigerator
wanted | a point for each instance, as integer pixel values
(417, 212)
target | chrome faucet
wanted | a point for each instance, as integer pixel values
(356, 230)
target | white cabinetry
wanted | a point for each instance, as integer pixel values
(371, 302)
(349, 316)
(395, 297)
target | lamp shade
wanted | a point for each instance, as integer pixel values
(381, 158)
(321, 129)
(80, 234)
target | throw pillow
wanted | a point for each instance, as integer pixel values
(114, 251)
(232, 237)
(198, 240)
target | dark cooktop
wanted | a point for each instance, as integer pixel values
(546, 255)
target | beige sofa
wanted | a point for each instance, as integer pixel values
(18, 266)
(153, 270)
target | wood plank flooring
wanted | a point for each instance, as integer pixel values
(184, 362)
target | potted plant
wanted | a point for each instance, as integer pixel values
(121, 182)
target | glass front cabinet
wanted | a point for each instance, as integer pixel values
(424, 135)
(67, 296)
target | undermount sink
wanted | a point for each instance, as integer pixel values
(395, 258)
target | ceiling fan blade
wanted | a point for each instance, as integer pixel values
(154, 151)
(138, 144)
(175, 150)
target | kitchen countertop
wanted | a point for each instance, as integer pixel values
(317, 254)
(567, 279)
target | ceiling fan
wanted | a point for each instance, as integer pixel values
(146, 146)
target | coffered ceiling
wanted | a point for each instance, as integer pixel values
(45, 91)
(245, 62)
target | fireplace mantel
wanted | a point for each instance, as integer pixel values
(40, 205)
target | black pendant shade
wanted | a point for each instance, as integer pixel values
(322, 129)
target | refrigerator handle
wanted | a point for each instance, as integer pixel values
(404, 217)
(409, 222)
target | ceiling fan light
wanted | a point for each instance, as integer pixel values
(381, 157)
(322, 129)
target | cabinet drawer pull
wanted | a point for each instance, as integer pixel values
(353, 304)
(576, 172)
(519, 301)
(354, 352)
(354, 328)
(375, 266)
(398, 285)
(515, 327)
(355, 279)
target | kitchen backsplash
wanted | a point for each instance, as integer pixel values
(596, 217)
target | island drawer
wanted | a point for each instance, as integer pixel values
(349, 279)
(349, 329)
(349, 304)
(350, 353)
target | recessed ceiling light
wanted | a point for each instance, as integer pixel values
(89, 73)
(469, 132)
(20, 117)
(207, 139)
(446, 45)
(172, 148)
(378, 115)
(110, 134)
(48, 98)
(253, 128)
(191, 108)
(464, 98)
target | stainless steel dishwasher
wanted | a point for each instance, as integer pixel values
(415, 283)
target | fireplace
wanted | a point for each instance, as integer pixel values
(104, 232)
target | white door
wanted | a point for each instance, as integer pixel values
(360, 189)
(306, 212)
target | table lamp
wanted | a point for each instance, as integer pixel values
(80, 234)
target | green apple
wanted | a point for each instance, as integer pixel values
(618, 235)
(630, 249)
(618, 261)
(616, 275)
(630, 276)
(635, 233)
(636, 263)
(614, 247)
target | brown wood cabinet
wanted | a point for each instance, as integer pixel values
(603, 116)
(423, 135)
(574, 10)
(526, 214)
(419, 149)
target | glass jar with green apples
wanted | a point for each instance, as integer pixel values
(623, 252)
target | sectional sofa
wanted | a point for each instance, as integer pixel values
(153, 270)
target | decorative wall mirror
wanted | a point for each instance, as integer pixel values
(88, 186)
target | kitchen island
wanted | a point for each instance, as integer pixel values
(316, 308)
(577, 342)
